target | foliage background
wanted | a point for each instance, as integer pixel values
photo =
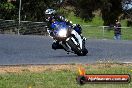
(33, 10)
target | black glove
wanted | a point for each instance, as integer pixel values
(52, 34)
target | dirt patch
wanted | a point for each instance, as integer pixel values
(110, 65)
(67, 67)
(35, 68)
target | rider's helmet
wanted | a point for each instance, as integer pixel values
(49, 14)
(50, 11)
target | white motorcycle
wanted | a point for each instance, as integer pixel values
(69, 39)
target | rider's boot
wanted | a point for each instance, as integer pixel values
(56, 45)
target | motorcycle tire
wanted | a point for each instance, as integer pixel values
(76, 50)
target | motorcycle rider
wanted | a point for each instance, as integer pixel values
(52, 18)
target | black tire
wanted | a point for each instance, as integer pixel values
(76, 50)
(85, 51)
(74, 47)
(80, 54)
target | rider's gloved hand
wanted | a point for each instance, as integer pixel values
(52, 34)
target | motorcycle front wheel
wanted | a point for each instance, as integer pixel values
(75, 48)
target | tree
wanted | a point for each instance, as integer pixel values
(7, 10)
(127, 10)
(111, 10)
(34, 9)
(84, 8)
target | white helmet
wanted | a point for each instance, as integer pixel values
(50, 11)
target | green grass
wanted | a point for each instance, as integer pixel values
(63, 78)
(96, 32)
(97, 21)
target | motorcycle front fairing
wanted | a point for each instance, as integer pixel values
(77, 42)
(60, 31)
(68, 38)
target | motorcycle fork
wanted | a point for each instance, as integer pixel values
(66, 47)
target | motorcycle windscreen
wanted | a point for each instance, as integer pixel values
(60, 30)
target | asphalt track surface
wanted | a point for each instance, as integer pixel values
(15, 50)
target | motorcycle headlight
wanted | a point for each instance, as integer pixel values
(62, 33)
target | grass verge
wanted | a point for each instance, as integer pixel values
(94, 31)
(100, 33)
(58, 76)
